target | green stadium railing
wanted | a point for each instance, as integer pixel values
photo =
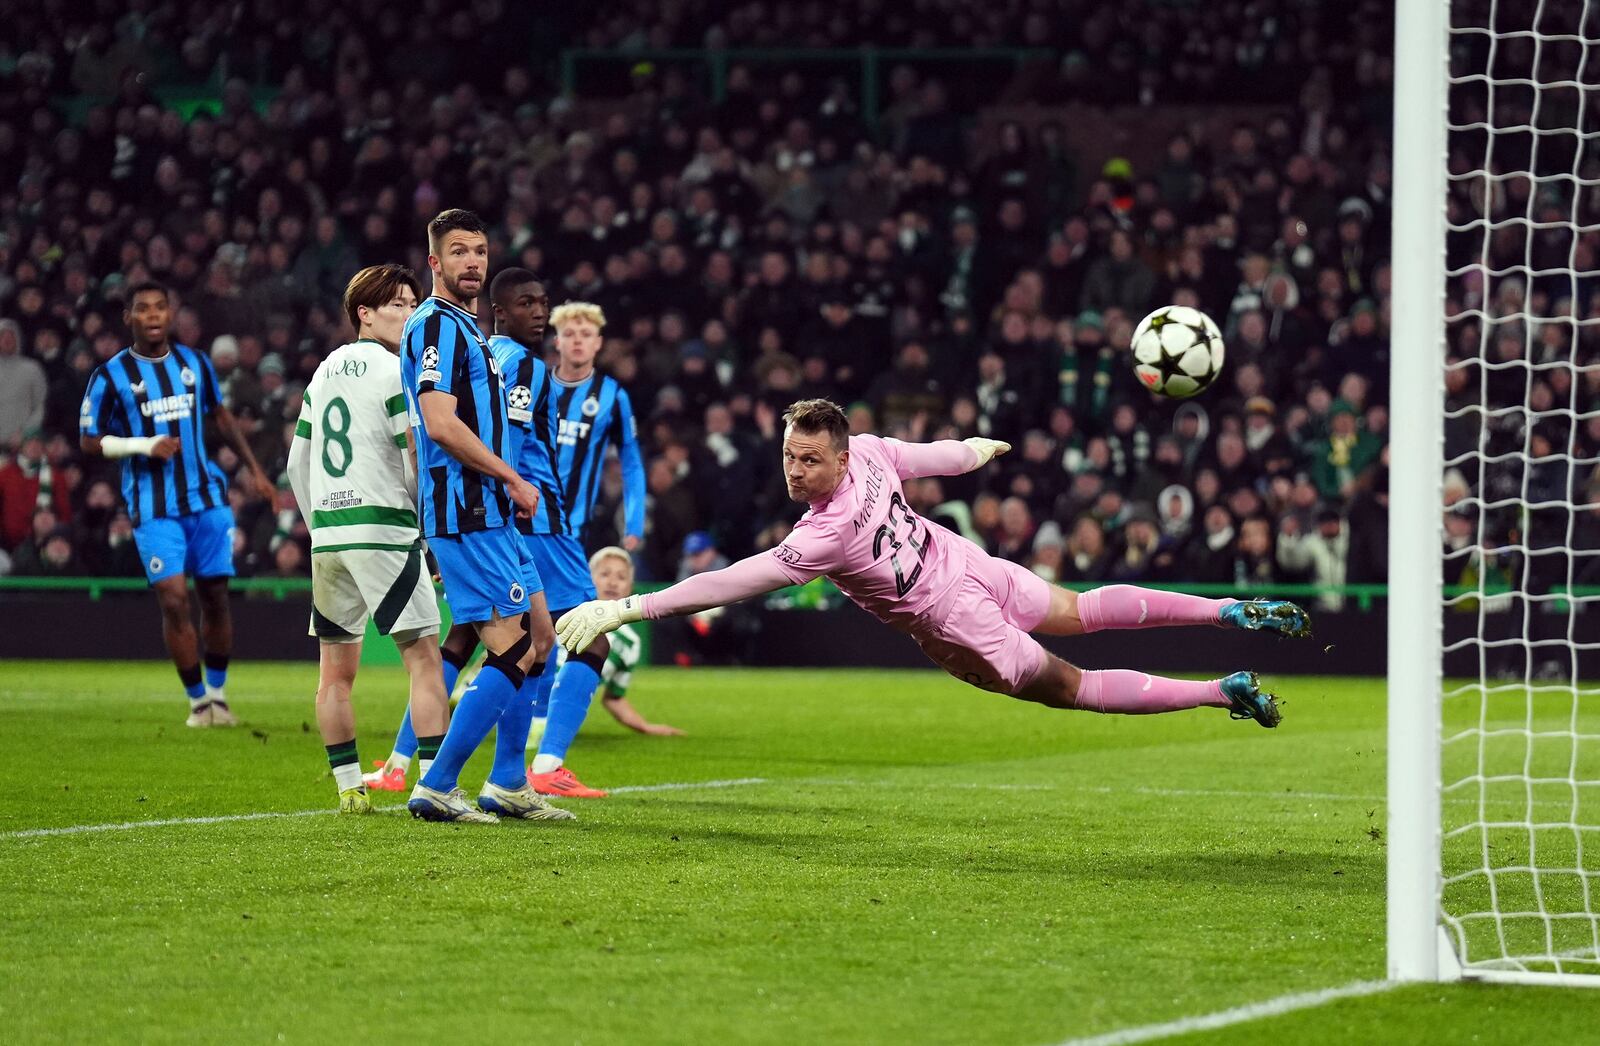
(816, 595)
(868, 61)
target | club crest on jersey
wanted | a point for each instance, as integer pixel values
(518, 400)
(591, 407)
(187, 377)
(517, 593)
(156, 565)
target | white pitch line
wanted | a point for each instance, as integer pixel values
(1238, 1015)
(168, 822)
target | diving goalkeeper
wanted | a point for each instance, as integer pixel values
(969, 612)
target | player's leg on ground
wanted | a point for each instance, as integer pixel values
(511, 734)
(510, 653)
(177, 631)
(543, 685)
(429, 703)
(450, 658)
(336, 719)
(576, 683)
(216, 626)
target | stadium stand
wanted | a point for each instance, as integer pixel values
(944, 266)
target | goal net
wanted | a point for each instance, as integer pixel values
(1495, 869)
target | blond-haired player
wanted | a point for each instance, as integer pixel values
(612, 569)
(583, 415)
(355, 479)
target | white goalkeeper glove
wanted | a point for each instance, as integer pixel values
(583, 624)
(987, 449)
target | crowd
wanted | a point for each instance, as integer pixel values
(766, 247)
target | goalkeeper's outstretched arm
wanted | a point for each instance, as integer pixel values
(754, 576)
(943, 457)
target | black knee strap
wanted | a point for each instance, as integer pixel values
(507, 660)
(451, 657)
(594, 661)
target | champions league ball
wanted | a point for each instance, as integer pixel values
(1177, 351)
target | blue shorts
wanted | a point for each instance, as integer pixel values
(486, 571)
(563, 568)
(199, 544)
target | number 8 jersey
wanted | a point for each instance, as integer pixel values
(361, 492)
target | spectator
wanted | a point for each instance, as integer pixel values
(1320, 557)
(23, 388)
(1346, 452)
(53, 557)
(1252, 561)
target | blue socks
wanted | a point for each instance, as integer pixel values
(216, 671)
(542, 685)
(511, 734)
(569, 704)
(405, 742)
(480, 709)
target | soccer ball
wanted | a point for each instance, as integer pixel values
(1177, 351)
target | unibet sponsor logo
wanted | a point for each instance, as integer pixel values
(168, 408)
(571, 432)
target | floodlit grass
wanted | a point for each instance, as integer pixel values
(919, 862)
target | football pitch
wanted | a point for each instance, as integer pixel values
(857, 856)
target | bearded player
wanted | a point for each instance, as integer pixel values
(970, 612)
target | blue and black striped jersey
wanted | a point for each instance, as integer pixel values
(527, 382)
(129, 395)
(583, 420)
(443, 350)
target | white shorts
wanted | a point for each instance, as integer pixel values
(389, 585)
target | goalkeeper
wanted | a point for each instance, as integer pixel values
(970, 612)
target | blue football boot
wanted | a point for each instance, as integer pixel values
(1243, 689)
(1268, 615)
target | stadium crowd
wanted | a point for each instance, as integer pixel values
(755, 250)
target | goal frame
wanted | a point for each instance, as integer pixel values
(1419, 945)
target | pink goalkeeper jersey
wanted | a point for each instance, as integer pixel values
(897, 566)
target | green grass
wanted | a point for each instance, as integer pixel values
(923, 863)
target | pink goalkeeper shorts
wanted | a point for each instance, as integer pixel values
(985, 641)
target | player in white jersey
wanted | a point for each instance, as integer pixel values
(355, 479)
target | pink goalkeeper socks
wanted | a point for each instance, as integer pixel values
(1127, 606)
(1135, 693)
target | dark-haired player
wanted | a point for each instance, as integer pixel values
(971, 613)
(469, 498)
(146, 406)
(521, 308)
(352, 474)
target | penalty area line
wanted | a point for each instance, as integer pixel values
(1237, 1015)
(169, 822)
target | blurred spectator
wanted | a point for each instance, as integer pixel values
(1319, 557)
(23, 388)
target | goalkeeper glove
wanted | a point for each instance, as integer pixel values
(583, 624)
(986, 449)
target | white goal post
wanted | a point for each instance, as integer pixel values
(1493, 730)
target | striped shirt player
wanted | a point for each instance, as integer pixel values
(579, 416)
(147, 407)
(468, 495)
(351, 473)
(466, 515)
